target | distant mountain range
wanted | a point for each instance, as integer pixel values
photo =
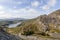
(12, 19)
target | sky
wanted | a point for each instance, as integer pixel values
(27, 8)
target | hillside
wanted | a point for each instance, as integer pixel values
(44, 26)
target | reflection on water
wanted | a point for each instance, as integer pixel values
(14, 25)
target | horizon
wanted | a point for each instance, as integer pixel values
(27, 9)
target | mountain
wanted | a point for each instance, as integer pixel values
(43, 23)
(45, 26)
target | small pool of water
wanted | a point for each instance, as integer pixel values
(14, 25)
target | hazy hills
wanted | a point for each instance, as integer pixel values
(12, 19)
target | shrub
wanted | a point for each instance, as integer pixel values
(28, 33)
(44, 34)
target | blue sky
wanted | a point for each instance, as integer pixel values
(27, 8)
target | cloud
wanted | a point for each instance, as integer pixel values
(50, 3)
(46, 7)
(10, 2)
(1, 7)
(24, 9)
(18, 13)
(35, 3)
(26, 13)
(19, 2)
(6, 12)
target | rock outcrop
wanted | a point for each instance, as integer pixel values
(6, 36)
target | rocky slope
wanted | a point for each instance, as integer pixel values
(6, 36)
